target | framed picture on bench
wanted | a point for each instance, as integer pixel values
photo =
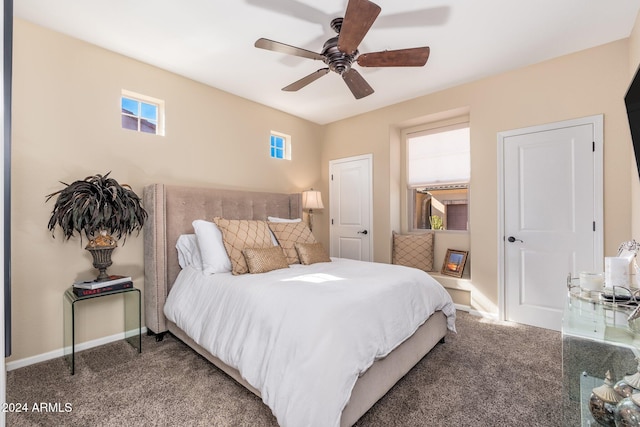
(454, 262)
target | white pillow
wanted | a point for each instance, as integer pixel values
(276, 219)
(214, 255)
(188, 251)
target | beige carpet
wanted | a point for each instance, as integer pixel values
(489, 374)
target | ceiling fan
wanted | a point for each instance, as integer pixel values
(340, 52)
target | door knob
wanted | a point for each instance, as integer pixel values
(363, 232)
(513, 239)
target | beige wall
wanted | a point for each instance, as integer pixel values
(582, 84)
(66, 125)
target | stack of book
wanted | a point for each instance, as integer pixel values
(94, 287)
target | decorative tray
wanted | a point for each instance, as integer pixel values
(618, 296)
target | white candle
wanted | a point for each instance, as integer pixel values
(591, 281)
(616, 271)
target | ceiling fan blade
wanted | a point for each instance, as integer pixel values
(413, 57)
(306, 80)
(285, 48)
(358, 18)
(357, 84)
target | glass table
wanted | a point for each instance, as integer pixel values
(132, 319)
(596, 338)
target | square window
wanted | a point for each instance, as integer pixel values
(280, 146)
(142, 113)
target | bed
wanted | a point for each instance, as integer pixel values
(172, 210)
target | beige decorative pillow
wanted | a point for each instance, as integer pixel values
(290, 233)
(413, 250)
(261, 260)
(310, 253)
(238, 234)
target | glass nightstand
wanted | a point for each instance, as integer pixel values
(596, 338)
(132, 319)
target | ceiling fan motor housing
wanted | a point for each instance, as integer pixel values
(337, 61)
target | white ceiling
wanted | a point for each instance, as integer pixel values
(211, 41)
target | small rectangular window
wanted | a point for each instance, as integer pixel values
(142, 113)
(441, 207)
(280, 146)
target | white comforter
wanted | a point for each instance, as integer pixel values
(303, 335)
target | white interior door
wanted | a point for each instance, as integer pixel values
(552, 189)
(350, 193)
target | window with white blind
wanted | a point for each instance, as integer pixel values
(438, 175)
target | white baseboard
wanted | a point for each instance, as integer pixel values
(473, 312)
(462, 307)
(485, 314)
(21, 363)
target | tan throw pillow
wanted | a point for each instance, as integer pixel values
(238, 234)
(261, 260)
(290, 233)
(413, 250)
(310, 253)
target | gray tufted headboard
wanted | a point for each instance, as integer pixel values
(171, 211)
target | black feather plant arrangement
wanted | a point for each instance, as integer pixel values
(102, 210)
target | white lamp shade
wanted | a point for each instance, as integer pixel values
(312, 199)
